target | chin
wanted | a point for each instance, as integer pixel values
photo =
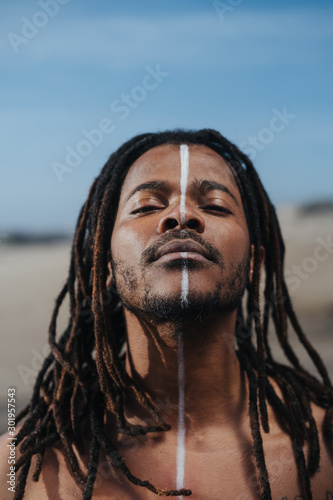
(197, 307)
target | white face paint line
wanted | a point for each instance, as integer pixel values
(184, 170)
(184, 167)
(181, 434)
(184, 285)
(181, 415)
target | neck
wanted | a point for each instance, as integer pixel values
(213, 387)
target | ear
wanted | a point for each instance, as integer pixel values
(109, 276)
(262, 261)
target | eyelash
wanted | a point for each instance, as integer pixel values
(217, 208)
(148, 208)
(151, 208)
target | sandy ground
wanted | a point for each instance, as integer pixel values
(32, 275)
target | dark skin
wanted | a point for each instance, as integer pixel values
(219, 447)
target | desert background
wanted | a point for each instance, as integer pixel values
(33, 269)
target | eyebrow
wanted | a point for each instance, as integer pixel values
(202, 185)
(205, 186)
(152, 185)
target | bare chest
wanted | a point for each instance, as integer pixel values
(223, 471)
(216, 469)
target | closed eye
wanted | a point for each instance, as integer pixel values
(217, 208)
(147, 208)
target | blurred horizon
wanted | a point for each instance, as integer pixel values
(320, 210)
(79, 79)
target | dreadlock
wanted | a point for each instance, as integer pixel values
(85, 375)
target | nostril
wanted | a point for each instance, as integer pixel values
(171, 223)
(192, 224)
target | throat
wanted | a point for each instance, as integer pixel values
(203, 367)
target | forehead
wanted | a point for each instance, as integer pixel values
(163, 162)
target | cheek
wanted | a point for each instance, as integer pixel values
(126, 244)
(234, 245)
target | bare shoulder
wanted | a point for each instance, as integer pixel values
(7, 466)
(55, 482)
(281, 461)
(281, 465)
(322, 481)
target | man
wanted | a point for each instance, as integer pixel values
(160, 383)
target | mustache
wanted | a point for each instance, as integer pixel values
(149, 255)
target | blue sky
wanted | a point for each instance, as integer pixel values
(259, 72)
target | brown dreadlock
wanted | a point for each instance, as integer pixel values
(84, 373)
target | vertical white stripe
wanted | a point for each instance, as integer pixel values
(181, 415)
(184, 285)
(184, 166)
(184, 169)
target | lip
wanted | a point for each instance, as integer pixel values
(182, 250)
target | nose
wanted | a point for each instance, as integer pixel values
(171, 219)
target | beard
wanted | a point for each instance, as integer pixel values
(171, 308)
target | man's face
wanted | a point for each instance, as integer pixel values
(151, 245)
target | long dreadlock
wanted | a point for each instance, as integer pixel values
(85, 375)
